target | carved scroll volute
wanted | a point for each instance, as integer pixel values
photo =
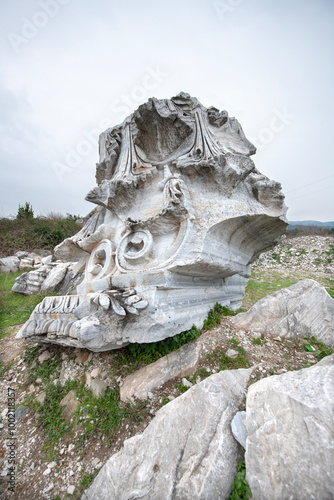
(101, 262)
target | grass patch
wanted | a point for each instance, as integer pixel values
(15, 308)
(50, 413)
(240, 487)
(319, 348)
(262, 284)
(45, 370)
(182, 388)
(150, 352)
(228, 363)
(102, 416)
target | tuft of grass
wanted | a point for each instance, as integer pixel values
(45, 370)
(319, 348)
(50, 413)
(150, 352)
(182, 388)
(257, 341)
(240, 487)
(102, 416)
(228, 363)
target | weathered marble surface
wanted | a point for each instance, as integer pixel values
(181, 214)
(301, 310)
(289, 447)
(187, 452)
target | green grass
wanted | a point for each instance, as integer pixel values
(102, 416)
(45, 370)
(262, 284)
(240, 487)
(15, 308)
(321, 350)
(50, 413)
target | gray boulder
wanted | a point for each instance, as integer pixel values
(187, 451)
(289, 418)
(304, 309)
(9, 264)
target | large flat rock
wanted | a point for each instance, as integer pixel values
(187, 451)
(304, 309)
(290, 450)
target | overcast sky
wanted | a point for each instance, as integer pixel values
(71, 68)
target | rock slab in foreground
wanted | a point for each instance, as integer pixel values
(176, 364)
(304, 309)
(187, 451)
(290, 444)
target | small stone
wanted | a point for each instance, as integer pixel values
(186, 382)
(48, 488)
(98, 387)
(88, 379)
(47, 472)
(239, 429)
(21, 412)
(231, 353)
(278, 339)
(44, 356)
(51, 465)
(70, 404)
(95, 373)
(256, 335)
(82, 356)
(70, 490)
(41, 398)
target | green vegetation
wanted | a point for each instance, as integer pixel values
(26, 232)
(262, 284)
(44, 371)
(320, 349)
(228, 363)
(15, 308)
(148, 353)
(240, 487)
(182, 388)
(25, 212)
(257, 341)
(102, 416)
(50, 413)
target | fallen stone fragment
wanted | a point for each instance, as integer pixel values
(289, 419)
(176, 364)
(231, 353)
(45, 356)
(9, 264)
(70, 404)
(239, 429)
(55, 277)
(98, 387)
(186, 452)
(21, 412)
(302, 310)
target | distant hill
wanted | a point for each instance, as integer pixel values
(316, 223)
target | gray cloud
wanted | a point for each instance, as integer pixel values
(85, 65)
